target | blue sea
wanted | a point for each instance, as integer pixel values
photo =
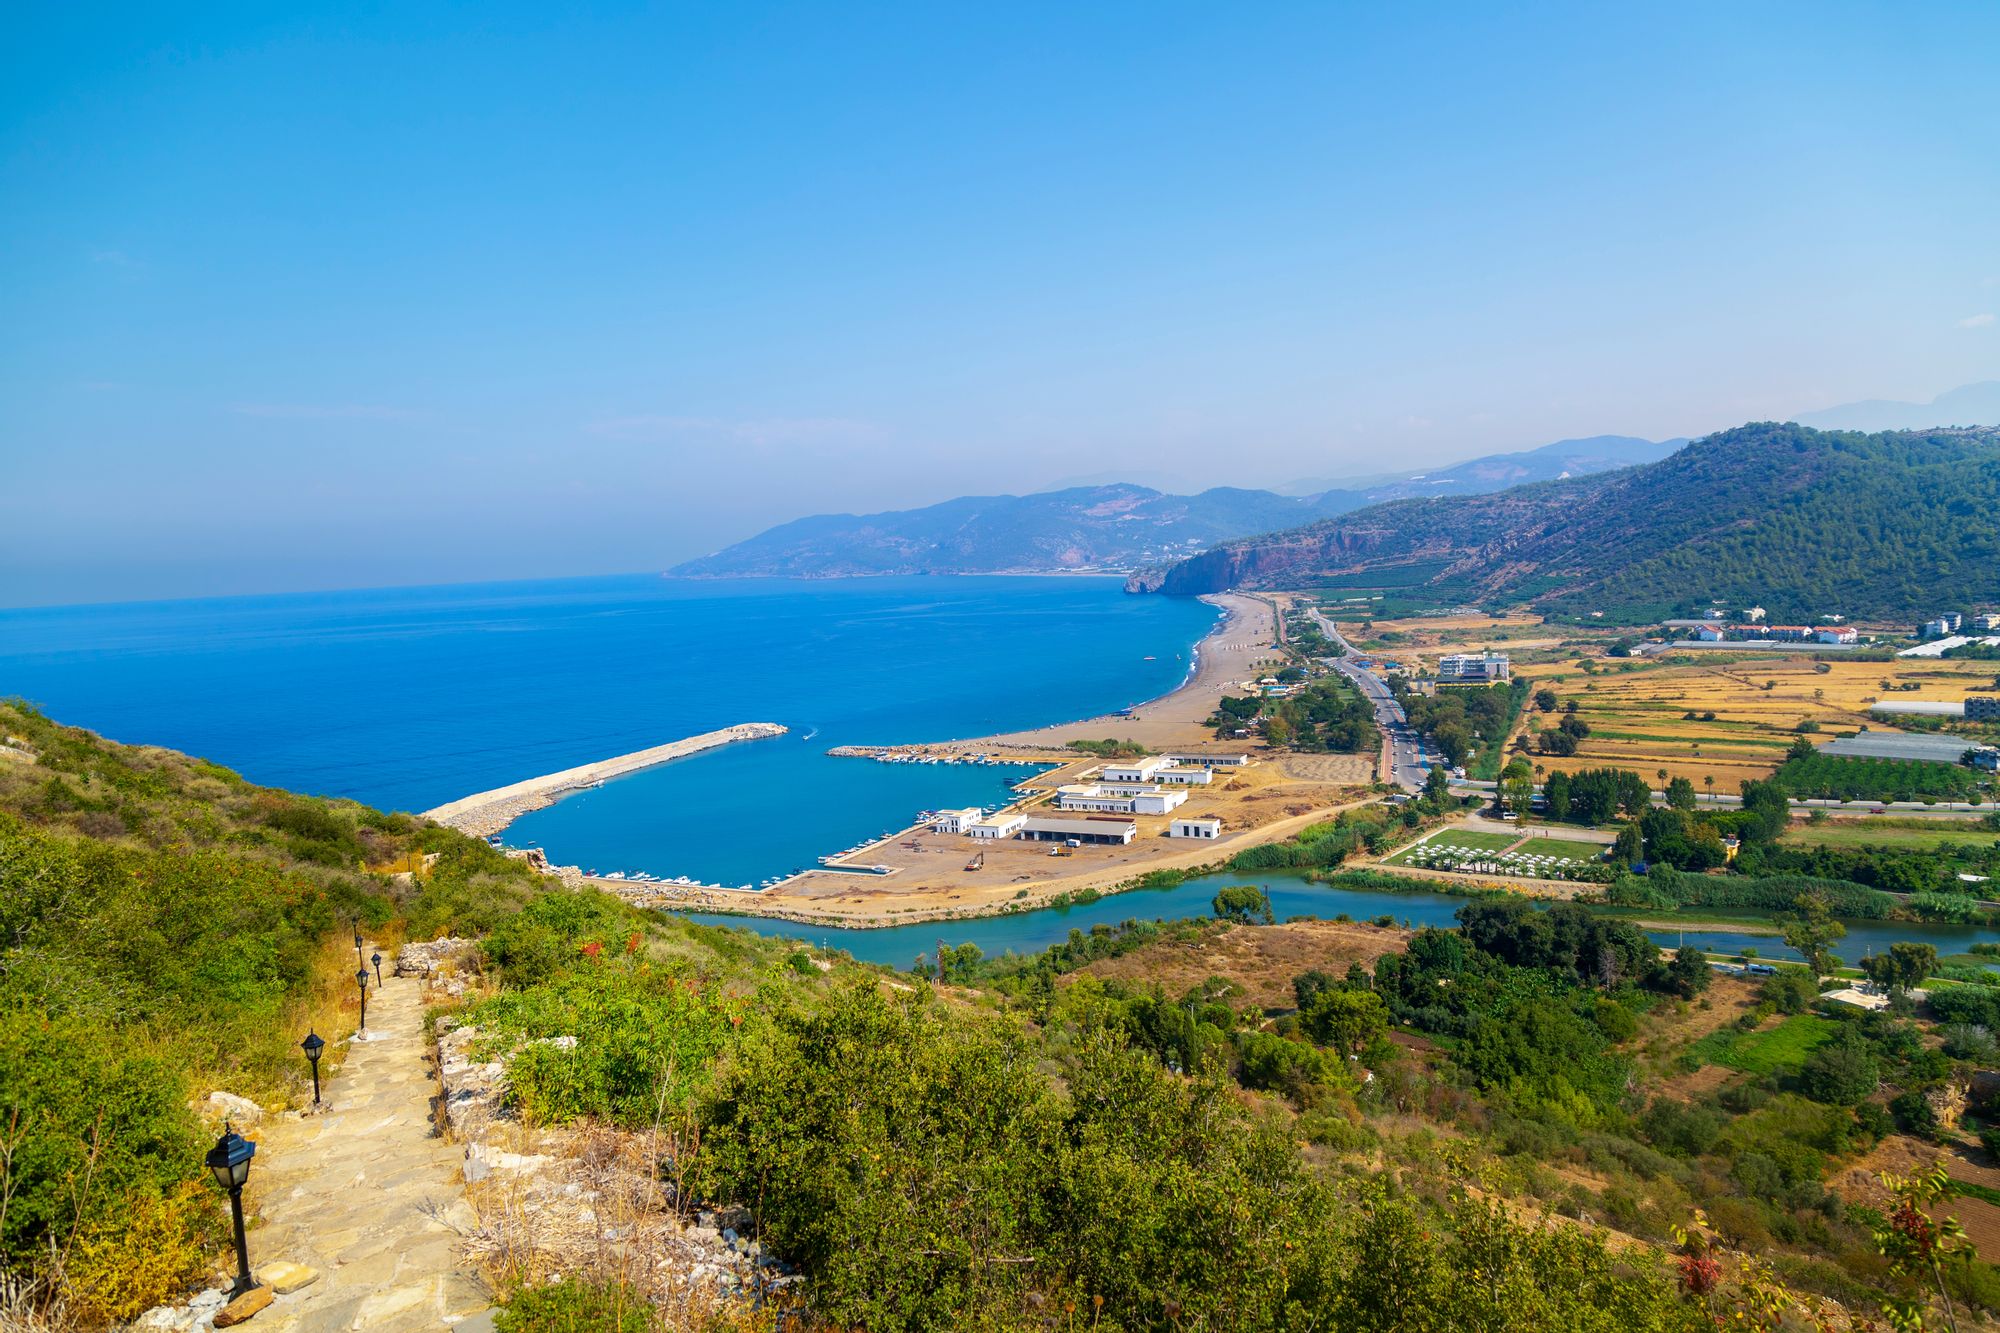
(407, 698)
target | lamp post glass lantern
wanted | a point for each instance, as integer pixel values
(361, 980)
(376, 958)
(229, 1162)
(312, 1046)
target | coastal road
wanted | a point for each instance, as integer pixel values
(1407, 766)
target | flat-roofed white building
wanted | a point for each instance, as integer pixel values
(1207, 827)
(1209, 760)
(1185, 777)
(996, 828)
(1110, 831)
(1127, 801)
(1138, 770)
(956, 821)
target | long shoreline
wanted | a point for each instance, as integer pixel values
(488, 812)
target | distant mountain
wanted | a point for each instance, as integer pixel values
(1115, 527)
(1799, 520)
(1551, 462)
(1967, 405)
(1111, 528)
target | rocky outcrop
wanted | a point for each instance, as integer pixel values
(587, 1198)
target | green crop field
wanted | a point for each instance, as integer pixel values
(1868, 835)
(1781, 1049)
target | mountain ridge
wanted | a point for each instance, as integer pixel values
(1110, 528)
(1803, 521)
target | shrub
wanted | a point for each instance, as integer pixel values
(575, 1305)
(614, 1040)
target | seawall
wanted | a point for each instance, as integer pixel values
(488, 812)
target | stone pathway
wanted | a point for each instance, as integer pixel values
(367, 1193)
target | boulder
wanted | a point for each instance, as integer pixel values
(237, 1110)
(244, 1307)
(284, 1277)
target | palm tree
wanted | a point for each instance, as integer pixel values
(1708, 780)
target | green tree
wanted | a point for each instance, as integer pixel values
(1244, 903)
(1680, 794)
(1346, 1020)
(1903, 967)
(1813, 931)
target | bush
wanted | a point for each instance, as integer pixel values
(613, 1040)
(575, 1305)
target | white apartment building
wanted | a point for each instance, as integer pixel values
(1472, 668)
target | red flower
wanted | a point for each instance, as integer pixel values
(593, 949)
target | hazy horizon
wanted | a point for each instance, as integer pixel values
(314, 301)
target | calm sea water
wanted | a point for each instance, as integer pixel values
(407, 698)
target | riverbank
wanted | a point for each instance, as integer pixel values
(488, 812)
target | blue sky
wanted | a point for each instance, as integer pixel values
(409, 294)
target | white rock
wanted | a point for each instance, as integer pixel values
(166, 1319)
(239, 1110)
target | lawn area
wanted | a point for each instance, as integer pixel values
(1778, 1050)
(1473, 841)
(1855, 834)
(1575, 851)
(1465, 840)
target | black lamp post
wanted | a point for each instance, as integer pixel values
(376, 958)
(361, 980)
(357, 939)
(313, 1045)
(229, 1162)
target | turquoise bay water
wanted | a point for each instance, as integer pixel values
(407, 698)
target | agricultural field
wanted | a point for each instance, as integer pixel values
(1850, 779)
(1724, 721)
(1421, 640)
(1876, 833)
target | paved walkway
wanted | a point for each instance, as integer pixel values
(367, 1193)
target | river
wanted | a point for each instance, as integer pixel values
(1292, 896)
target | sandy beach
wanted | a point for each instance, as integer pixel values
(488, 812)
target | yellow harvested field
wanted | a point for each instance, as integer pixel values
(1423, 640)
(1638, 711)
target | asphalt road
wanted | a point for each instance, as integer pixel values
(1408, 764)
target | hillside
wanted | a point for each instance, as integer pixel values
(1495, 472)
(1799, 520)
(1115, 527)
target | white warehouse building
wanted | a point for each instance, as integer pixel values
(996, 828)
(1131, 801)
(1208, 827)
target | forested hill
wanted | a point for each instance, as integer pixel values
(1118, 527)
(1798, 520)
